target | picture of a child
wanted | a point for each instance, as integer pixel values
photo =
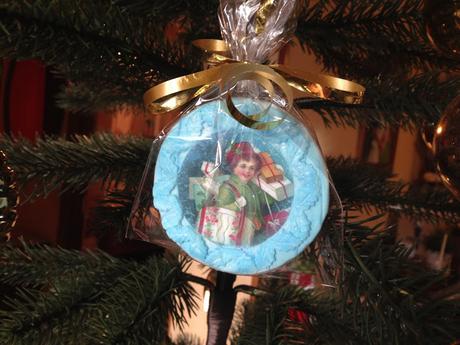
(243, 208)
(240, 193)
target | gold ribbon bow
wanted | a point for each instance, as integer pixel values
(177, 92)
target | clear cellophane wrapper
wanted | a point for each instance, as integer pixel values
(238, 199)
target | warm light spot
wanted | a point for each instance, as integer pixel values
(206, 298)
(439, 130)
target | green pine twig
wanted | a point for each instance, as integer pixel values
(111, 215)
(113, 302)
(198, 19)
(409, 104)
(34, 266)
(367, 187)
(361, 38)
(94, 44)
(71, 165)
(382, 297)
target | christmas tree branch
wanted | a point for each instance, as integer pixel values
(356, 21)
(382, 297)
(117, 301)
(93, 96)
(196, 19)
(96, 44)
(365, 187)
(264, 321)
(111, 215)
(97, 28)
(160, 9)
(34, 266)
(408, 103)
(385, 285)
(358, 39)
(411, 103)
(362, 187)
(72, 165)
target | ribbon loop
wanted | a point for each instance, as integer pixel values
(264, 76)
(212, 46)
(178, 92)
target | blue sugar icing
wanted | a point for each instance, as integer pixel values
(289, 142)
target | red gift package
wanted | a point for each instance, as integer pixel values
(274, 221)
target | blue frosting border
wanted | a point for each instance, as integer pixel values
(309, 206)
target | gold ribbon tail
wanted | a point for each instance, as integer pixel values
(322, 86)
(175, 93)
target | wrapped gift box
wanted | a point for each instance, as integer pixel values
(266, 158)
(223, 226)
(274, 221)
(201, 197)
(194, 181)
(200, 181)
(271, 173)
(269, 170)
(277, 190)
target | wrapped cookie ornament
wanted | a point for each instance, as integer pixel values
(239, 182)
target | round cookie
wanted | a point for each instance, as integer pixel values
(204, 134)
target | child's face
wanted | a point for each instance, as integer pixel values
(245, 170)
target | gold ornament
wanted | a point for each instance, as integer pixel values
(442, 19)
(446, 147)
(9, 198)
